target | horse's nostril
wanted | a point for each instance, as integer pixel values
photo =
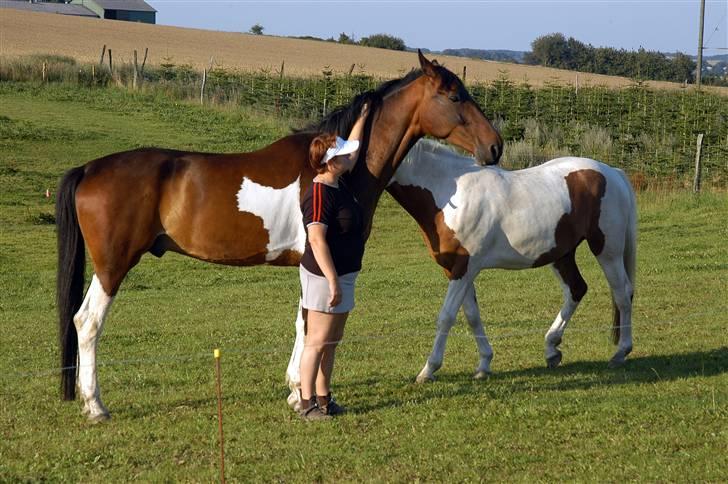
(495, 152)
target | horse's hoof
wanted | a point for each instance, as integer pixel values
(99, 418)
(425, 379)
(481, 375)
(554, 361)
(616, 362)
(293, 401)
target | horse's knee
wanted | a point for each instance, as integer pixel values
(444, 324)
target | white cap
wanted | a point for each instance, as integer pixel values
(343, 147)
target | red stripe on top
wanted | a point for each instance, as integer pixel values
(316, 195)
(320, 201)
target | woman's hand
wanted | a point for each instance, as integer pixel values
(335, 293)
(364, 110)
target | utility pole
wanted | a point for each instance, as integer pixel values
(700, 44)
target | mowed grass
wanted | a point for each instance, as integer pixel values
(662, 417)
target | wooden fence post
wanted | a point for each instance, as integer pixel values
(351, 69)
(43, 71)
(144, 62)
(111, 64)
(698, 151)
(103, 51)
(465, 73)
(202, 89)
(136, 71)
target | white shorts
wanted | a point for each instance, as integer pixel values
(315, 292)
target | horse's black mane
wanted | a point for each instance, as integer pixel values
(342, 119)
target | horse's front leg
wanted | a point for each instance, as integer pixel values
(472, 314)
(293, 374)
(456, 292)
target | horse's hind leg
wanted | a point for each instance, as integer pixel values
(472, 314)
(89, 322)
(293, 374)
(574, 288)
(622, 292)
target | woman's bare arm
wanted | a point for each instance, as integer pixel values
(322, 254)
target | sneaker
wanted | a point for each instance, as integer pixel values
(314, 413)
(332, 408)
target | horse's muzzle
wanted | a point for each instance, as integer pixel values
(489, 155)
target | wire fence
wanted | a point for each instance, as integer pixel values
(651, 133)
(359, 340)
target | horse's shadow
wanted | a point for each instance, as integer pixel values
(579, 375)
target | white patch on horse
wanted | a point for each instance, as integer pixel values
(280, 210)
(89, 322)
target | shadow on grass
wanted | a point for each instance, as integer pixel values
(581, 375)
(572, 376)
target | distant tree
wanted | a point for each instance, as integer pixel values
(684, 67)
(345, 39)
(555, 50)
(548, 50)
(383, 41)
(256, 29)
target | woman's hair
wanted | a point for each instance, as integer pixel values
(317, 150)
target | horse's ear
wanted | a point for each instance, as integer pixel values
(427, 67)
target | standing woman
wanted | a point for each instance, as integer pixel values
(329, 266)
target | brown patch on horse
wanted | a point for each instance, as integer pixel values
(444, 247)
(586, 190)
(569, 272)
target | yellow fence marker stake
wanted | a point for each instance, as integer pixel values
(216, 353)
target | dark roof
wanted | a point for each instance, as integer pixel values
(132, 5)
(62, 8)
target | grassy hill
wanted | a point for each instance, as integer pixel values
(26, 33)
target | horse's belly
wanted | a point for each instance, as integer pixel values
(517, 248)
(265, 226)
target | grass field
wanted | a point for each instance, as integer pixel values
(24, 33)
(663, 417)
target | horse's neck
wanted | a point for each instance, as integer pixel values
(393, 133)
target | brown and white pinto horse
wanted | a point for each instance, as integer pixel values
(155, 200)
(474, 217)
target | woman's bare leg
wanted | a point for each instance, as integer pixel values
(326, 368)
(321, 328)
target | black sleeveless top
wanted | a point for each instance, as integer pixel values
(337, 209)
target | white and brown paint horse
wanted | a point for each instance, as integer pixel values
(474, 218)
(235, 209)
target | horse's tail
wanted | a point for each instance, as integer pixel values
(629, 255)
(70, 277)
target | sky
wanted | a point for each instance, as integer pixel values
(661, 25)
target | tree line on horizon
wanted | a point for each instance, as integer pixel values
(382, 41)
(555, 50)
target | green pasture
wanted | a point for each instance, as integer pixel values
(662, 417)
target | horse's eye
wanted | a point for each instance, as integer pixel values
(454, 98)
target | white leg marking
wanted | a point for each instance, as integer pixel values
(456, 292)
(472, 314)
(556, 331)
(280, 210)
(89, 322)
(622, 294)
(293, 374)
